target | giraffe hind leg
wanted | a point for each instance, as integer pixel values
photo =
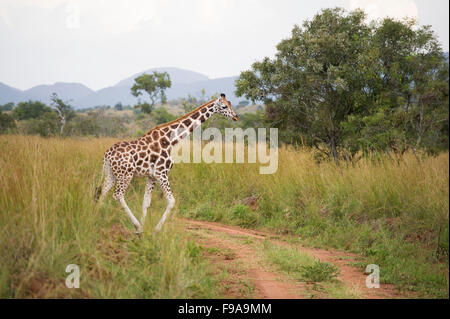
(119, 195)
(147, 198)
(109, 182)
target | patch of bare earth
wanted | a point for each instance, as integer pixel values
(267, 282)
(271, 284)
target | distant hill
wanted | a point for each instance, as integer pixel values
(9, 94)
(113, 94)
(65, 91)
(177, 76)
(184, 82)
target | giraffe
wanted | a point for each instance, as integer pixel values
(150, 157)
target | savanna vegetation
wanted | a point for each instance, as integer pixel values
(48, 221)
(60, 119)
(362, 110)
(394, 214)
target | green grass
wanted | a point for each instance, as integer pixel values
(288, 260)
(320, 277)
(319, 272)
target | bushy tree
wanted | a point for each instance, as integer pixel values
(154, 85)
(84, 125)
(341, 85)
(144, 107)
(30, 110)
(315, 81)
(118, 106)
(161, 115)
(191, 102)
(7, 107)
(46, 125)
(7, 123)
(408, 89)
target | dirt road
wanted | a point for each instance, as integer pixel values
(238, 251)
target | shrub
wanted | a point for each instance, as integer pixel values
(7, 123)
(319, 271)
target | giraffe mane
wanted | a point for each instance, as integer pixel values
(183, 117)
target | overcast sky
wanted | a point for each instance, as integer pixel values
(99, 42)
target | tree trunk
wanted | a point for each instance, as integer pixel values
(334, 150)
(63, 123)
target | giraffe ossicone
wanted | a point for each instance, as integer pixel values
(150, 157)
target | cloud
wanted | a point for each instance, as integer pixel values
(378, 9)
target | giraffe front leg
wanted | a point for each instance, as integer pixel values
(164, 182)
(119, 195)
(147, 198)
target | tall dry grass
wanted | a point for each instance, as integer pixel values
(393, 214)
(48, 220)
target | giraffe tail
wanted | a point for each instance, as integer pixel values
(98, 189)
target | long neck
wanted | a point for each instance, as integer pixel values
(184, 126)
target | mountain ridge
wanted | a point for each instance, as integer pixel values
(184, 82)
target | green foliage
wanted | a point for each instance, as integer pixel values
(96, 123)
(47, 124)
(7, 107)
(144, 107)
(118, 106)
(314, 82)
(193, 251)
(251, 120)
(63, 109)
(154, 85)
(160, 116)
(319, 272)
(192, 102)
(244, 216)
(84, 125)
(7, 123)
(30, 110)
(341, 85)
(409, 88)
(138, 133)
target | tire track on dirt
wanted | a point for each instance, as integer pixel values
(273, 285)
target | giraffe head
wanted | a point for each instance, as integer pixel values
(223, 107)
